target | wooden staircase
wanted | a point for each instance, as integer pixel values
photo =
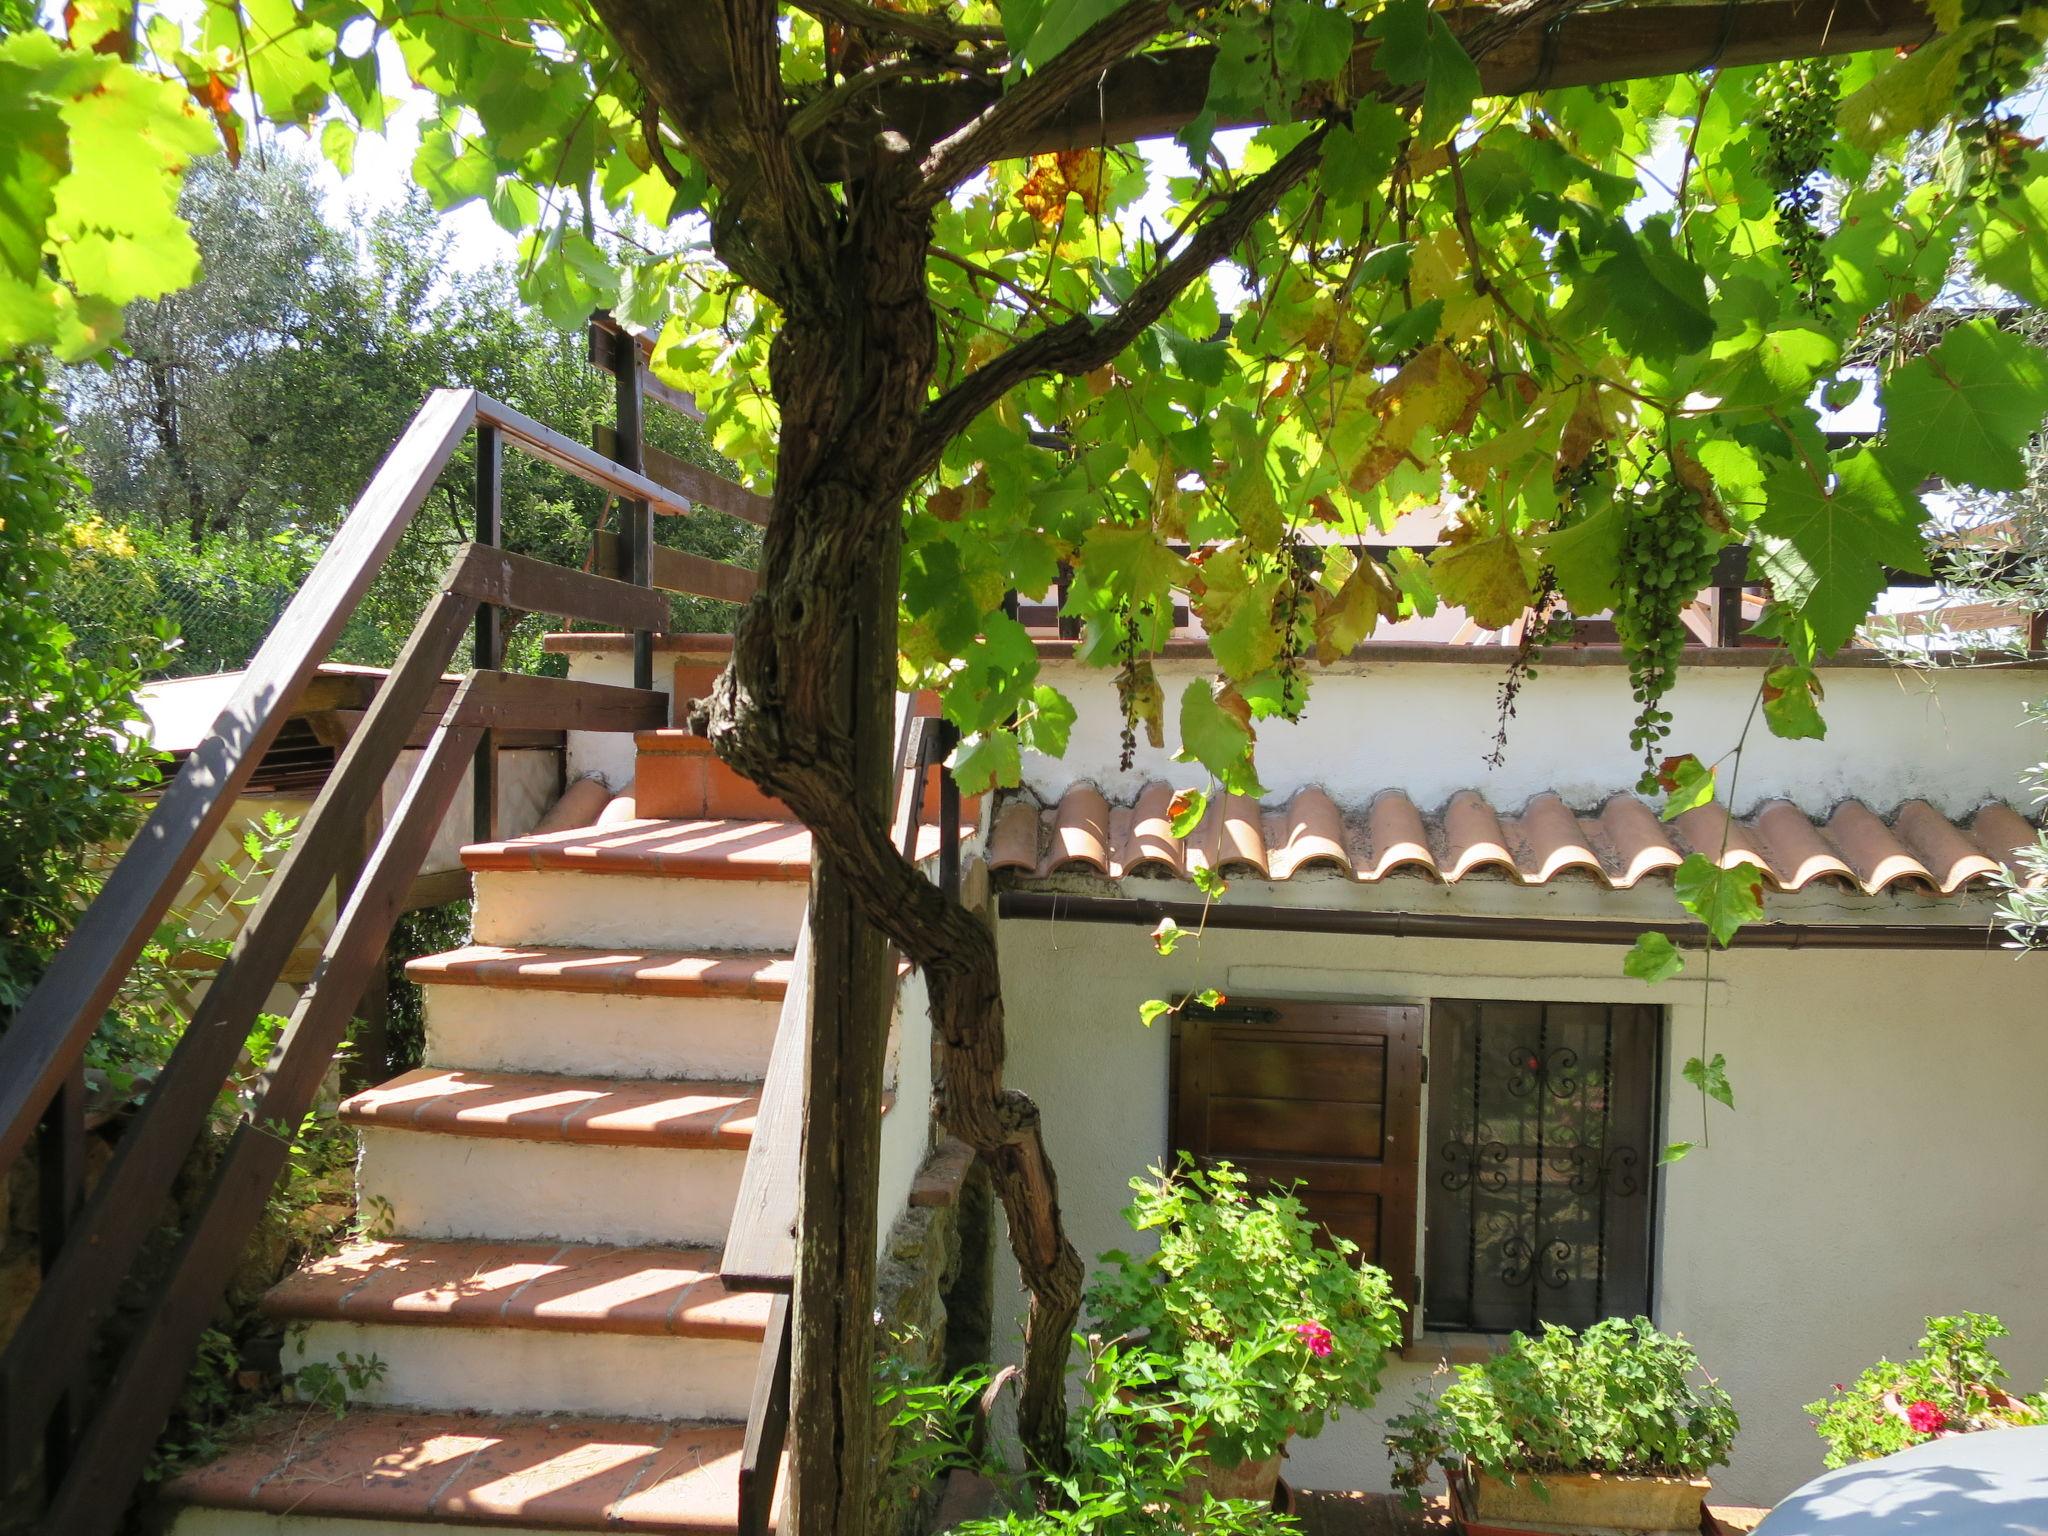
(548, 1197)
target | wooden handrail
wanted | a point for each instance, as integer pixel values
(92, 1459)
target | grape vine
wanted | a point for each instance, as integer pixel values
(1667, 556)
(1799, 101)
(1992, 67)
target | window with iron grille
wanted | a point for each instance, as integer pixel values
(1541, 1143)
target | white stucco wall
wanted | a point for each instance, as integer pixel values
(1888, 1160)
(1425, 726)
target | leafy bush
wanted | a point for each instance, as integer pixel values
(1952, 1388)
(1134, 1446)
(1619, 1397)
(69, 754)
(1268, 1325)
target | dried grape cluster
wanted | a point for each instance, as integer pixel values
(1993, 67)
(1667, 557)
(1798, 99)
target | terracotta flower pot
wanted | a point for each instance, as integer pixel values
(1578, 1504)
(1255, 1480)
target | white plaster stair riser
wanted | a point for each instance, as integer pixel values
(425, 1185)
(528, 1029)
(638, 911)
(533, 1370)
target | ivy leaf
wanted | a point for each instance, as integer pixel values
(1723, 899)
(1967, 410)
(1653, 957)
(1711, 1078)
(1152, 1010)
(1828, 549)
(987, 761)
(1792, 696)
(1416, 48)
(1167, 936)
(1688, 783)
(1675, 1153)
(1215, 731)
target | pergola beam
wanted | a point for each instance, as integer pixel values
(1155, 94)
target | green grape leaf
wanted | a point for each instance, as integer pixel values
(1677, 1152)
(1723, 899)
(2012, 243)
(1186, 810)
(1153, 1009)
(1688, 784)
(1827, 550)
(1488, 574)
(1167, 936)
(1586, 558)
(1646, 292)
(1711, 1078)
(988, 761)
(1416, 48)
(1047, 725)
(1653, 957)
(1215, 731)
(1792, 696)
(1967, 410)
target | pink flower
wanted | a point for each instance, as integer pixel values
(1925, 1417)
(1316, 1337)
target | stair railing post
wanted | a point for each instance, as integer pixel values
(490, 621)
(60, 1172)
(638, 516)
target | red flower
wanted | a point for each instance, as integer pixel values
(1925, 1417)
(1316, 1337)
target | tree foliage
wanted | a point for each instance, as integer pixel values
(227, 438)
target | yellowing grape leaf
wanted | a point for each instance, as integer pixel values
(1487, 573)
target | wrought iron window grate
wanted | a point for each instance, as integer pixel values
(1541, 1144)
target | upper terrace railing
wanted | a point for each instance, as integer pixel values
(91, 1451)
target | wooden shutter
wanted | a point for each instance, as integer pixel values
(1327, 1095)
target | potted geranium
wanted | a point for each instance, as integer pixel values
(1613, 1428)
(1268, 1324)
(1951, 1389)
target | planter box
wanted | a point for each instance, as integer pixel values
(1579, 1504)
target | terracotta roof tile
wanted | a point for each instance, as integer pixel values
(1621, 844)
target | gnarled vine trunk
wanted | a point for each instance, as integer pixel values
(813, 669)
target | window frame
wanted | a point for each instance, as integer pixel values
(1657, 1021)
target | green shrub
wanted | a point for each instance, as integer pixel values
(1951, 1388)
(1269, 1325)
(70, 754)
(1134, 1445)
(1619, 1397)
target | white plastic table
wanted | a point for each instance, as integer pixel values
(1993, 1483)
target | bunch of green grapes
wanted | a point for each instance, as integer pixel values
(1799, 98)
(1667, 557)
(1994, 66)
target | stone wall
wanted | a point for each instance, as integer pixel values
(934, 1301)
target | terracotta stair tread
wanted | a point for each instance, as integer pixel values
(482, 1470)
(697, 850)
(762, 975)
(543, 1286)
(532, 1106)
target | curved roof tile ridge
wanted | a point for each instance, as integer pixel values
(1314, 835)
(1621, 845)
(1080, 831)
(1397, 838)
